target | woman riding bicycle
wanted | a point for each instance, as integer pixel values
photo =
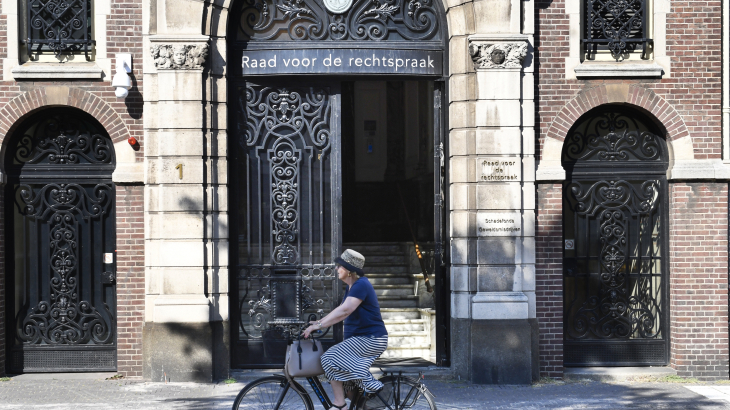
(347, 364)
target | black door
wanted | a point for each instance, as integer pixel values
(616, 245)
(286, 195)
(59, 211)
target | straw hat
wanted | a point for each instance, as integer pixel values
(352, 261)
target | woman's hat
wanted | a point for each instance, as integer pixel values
(352, 261)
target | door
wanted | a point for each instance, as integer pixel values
(615, 279)
(60, 216)
(286, 188)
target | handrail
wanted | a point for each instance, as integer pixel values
(429, 288)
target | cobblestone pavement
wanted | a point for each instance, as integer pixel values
(50, 392)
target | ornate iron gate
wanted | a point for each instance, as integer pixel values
(615, 257)
(286, 178)
(61, 230)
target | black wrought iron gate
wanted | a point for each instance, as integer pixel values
(287, 186)
(60, 216)
(616, 244)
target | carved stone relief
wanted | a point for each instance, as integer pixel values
(498, 55)
(179, 56)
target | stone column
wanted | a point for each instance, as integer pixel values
(179, 331)
(493, 217)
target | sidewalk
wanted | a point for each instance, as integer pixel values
(81, 392)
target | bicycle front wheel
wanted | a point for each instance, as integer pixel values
(272, 393)
(399, 393)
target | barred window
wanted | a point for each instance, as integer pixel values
(618, 27)
(58, 27)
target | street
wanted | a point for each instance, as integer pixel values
(78, 392)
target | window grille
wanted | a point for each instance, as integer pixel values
(618, 26)
(59, 26)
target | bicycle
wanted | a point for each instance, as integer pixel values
(278, 391)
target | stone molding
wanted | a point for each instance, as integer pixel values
(59, 71)
(179, 56)
(497, 54)
(682, 165)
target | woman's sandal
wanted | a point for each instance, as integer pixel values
(340, 407)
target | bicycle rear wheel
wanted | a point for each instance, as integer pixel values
(400, 393)
(264, 393)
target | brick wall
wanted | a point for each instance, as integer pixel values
(699, 279)
(130, 279)
(549, 278)
(693, 89)
(121, 118)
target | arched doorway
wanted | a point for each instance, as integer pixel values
(615, 218)
(302, 69)
(60, 241)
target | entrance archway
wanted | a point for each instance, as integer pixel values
(615, 261)
(298, 63)
(60, 235)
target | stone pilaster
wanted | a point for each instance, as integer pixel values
(493, 217)
(183, 231)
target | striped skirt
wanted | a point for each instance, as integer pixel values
(350, 361)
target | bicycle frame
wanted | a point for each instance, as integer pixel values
(324, 399)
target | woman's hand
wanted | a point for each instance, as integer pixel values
(312, 327)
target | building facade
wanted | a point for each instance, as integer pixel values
(534, 185)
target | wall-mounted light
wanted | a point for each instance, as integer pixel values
(121, 81)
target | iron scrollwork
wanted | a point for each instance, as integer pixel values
(284, 163)
(61, 140)
(619, 25)
(365, 20)
(621, 309)
(65, 319)
(59, 26)
(613, 137)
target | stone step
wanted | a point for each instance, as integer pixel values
(373, 248)
(383, 259)
(399, 313)
(398, 301)
(406, 325)
(394, 290)
(394, 352)
(376, 268)
(390, 280)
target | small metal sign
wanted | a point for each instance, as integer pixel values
(108, 258)
(337, 6)
(569, 244)
(499, 224)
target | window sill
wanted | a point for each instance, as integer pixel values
(58, 71)
(608, 69)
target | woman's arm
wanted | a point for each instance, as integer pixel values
(335, 316)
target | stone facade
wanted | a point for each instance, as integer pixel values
(517, 83)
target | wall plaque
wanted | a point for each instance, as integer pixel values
(341, 61)
(499, 224)
(499, 169)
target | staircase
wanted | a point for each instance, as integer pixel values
(388, 268)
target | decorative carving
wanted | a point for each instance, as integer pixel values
(65, 319)
(498, 55)
(335, 20)
(179, 56)
(613, 136)
(61, 140)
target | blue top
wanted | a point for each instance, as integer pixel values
(366, 319)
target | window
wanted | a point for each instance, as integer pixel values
(617, 38)
(58, 27)
(619, 27)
